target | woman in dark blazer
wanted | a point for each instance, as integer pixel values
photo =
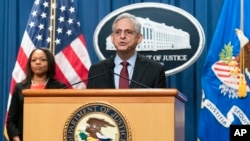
(40, 72)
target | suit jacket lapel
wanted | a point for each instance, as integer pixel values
(140, 65)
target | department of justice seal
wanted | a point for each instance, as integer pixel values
(97, 121)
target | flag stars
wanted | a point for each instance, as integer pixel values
(43, 15)
(46, 4)
(72, 9)
(69, 32)
(34, 13)
(41, 26)
(31, 24)
(48, 40)
(57, 41)
(70, 21)
(63, 28)
(59, 30)
(37, 2)
(62, 8)
(39, 37)
(61, 19)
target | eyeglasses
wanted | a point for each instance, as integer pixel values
(127, 33)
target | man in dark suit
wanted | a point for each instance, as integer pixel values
(142, 72)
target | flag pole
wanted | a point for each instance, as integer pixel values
(52, 25)
(242, 29)
(242, 15)
(242, 89)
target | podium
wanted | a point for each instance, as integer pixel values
(152, 114)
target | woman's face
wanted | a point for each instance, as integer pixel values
(39, 63)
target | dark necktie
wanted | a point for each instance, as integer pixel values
(124, 83)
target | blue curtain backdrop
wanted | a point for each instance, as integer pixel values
(14, 16)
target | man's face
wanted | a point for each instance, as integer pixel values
(124, 36)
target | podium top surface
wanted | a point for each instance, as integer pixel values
(169, 92)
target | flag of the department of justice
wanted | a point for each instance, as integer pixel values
(226, 74)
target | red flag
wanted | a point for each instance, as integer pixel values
(72, 58)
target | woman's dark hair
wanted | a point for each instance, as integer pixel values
(51, 65)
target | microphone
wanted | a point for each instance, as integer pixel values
(138, 83)
(93, 77)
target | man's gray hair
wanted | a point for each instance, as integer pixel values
(132, 18)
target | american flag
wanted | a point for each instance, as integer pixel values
(72, 58)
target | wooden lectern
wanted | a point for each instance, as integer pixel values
(153, 114)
